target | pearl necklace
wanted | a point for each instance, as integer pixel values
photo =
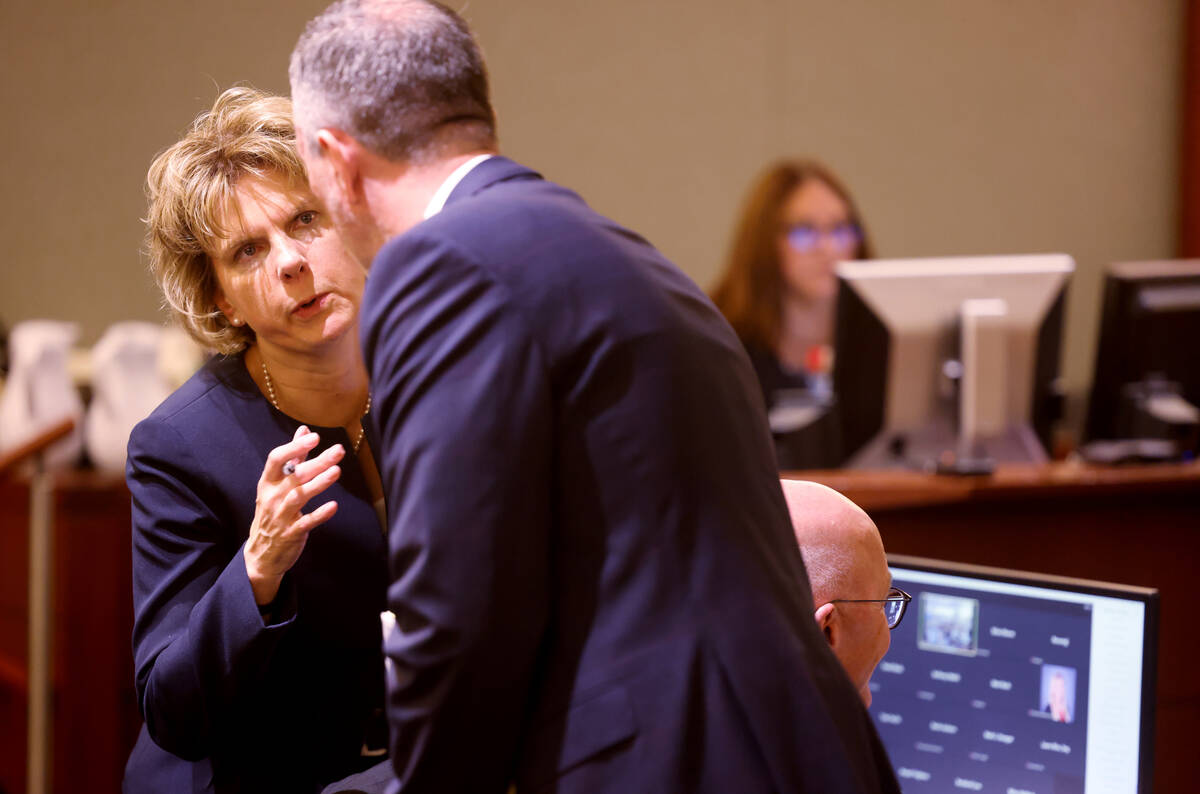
(271, 396)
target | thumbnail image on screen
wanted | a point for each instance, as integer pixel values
(947, 624)
(1058, 692)
(1024, 685)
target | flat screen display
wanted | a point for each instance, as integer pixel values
(908, 378)
(1018, 683)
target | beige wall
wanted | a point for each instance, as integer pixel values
(963, 127)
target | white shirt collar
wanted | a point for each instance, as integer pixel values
(439, 198)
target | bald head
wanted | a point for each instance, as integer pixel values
(839, 542)
(846, 566)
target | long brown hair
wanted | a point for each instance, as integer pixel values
(749, 292)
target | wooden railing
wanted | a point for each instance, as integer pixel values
(11, 458)
(38, 673)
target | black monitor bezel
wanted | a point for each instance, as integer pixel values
(1148, 596)
(1119, 351)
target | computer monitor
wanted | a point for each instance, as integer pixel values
(1149, 325)
(948, 360)
(1009, 681)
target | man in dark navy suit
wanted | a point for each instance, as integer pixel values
(594, 579)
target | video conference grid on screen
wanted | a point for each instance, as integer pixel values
(1000, 687)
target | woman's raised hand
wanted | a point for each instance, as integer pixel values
(279, 531)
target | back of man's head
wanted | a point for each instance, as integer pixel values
(403, 77)
(848, 571)
(838, 540)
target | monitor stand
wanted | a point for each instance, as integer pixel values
(935, 448)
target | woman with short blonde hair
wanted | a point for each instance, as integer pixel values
(189, 187)
(259, 564)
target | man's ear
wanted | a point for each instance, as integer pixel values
(345, 158)
(827, 622)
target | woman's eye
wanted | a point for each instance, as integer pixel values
(305, 226)
(247, 251)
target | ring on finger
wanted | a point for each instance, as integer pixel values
(289, 468)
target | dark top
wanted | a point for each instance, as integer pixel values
(773, 376)
(230, 704)
(818, 443)
(595, 579)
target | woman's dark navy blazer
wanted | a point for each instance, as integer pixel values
(231, 704)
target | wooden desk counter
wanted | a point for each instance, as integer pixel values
(1136, 525)
(890, 490)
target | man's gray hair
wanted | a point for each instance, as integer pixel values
(405, 78)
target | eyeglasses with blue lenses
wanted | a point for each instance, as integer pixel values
(804, 238)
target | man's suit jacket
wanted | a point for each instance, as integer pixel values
(593, 570)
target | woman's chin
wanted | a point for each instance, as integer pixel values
(322, 331)
(818, 292)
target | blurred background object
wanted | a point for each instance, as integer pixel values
(950, 363)
(1147, 374)
(40, 391)
(3, 352)
(127, 384)
(179, 356)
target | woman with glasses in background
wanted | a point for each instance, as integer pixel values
(779, 290)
